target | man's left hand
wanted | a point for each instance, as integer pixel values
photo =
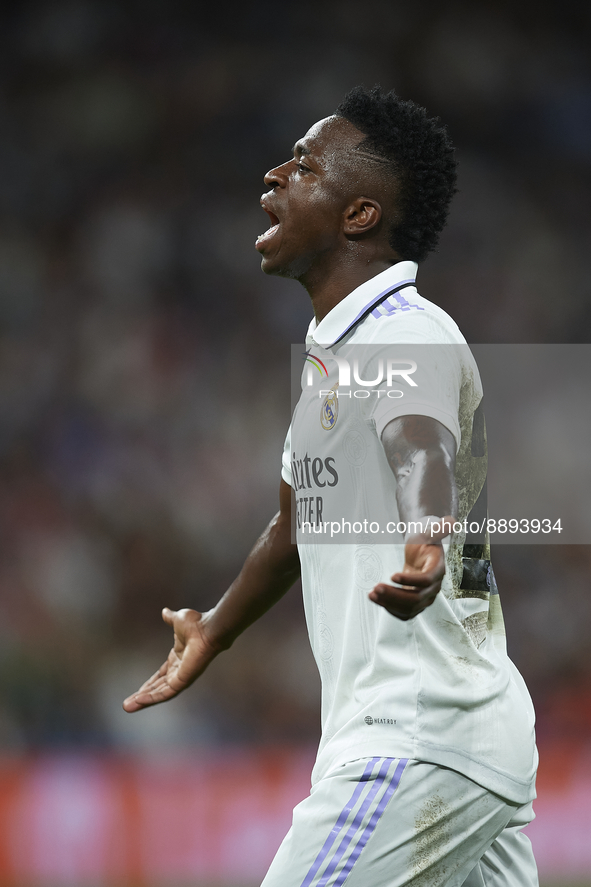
(419, 582)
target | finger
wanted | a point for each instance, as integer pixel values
(402, 603)
(158, 678)
(407, 596)
(166, 686)
(412, 579)
(155, 691)
(130, 705)
(417, 579)
(138, 700)
(144, 699)
(405, 613)
(157, 674)
(153, 686)
(168, 616)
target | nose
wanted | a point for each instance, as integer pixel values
(277, 176)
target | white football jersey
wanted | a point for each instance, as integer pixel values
(439, 688)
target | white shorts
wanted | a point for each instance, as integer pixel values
(387, 822)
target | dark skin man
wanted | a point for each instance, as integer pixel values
(328, 208)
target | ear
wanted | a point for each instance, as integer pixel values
(361, 216)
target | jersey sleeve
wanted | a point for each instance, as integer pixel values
(286, 458)
(437, 377)
(435, 347)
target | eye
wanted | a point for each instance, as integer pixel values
(302, 166)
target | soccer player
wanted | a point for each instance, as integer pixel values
(426, 766)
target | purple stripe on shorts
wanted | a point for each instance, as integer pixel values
(356, 824)
(339, 823)
(370, 827)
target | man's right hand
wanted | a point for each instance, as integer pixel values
(191, 654)
(269, 571)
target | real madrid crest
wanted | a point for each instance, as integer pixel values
(330, 409)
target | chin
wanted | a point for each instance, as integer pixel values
(268, 267)
(295, 270)
(271, 268)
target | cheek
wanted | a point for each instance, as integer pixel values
(325, 208)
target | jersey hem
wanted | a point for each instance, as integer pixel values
(506, 785)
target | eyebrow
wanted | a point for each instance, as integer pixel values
(300, 149)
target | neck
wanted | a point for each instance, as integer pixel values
(328, 290)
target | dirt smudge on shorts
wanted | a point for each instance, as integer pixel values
(432, 833)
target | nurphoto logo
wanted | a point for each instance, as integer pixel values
(403, 369)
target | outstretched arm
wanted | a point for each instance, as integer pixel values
(269, 571)
(421, 453)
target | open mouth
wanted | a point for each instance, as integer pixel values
(268, 234)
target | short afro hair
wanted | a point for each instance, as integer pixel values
(421, 158)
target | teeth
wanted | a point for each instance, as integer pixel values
(268, 233)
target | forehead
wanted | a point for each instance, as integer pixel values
(329, 138)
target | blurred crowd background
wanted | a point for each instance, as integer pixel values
(144, 358)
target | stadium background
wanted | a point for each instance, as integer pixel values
(144, 395)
